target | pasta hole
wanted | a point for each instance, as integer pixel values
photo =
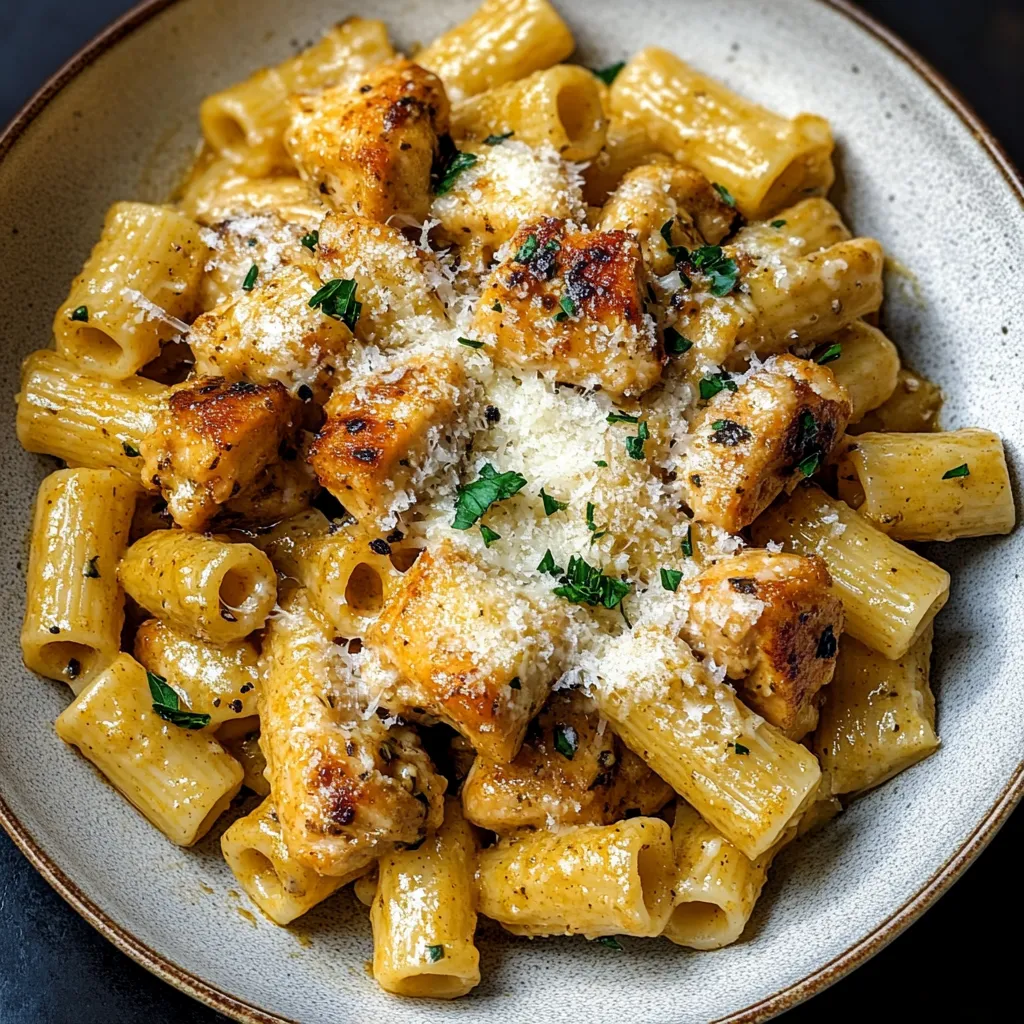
(438, 986)
(97, 347)
(72, 662)
(650, 866)
(364, 593)
(235, 589)
(704, 922)
(261, 869)
(226, 134)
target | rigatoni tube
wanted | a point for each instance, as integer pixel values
(74, 609)
(202, 586)
(180, 779)
(424, 914)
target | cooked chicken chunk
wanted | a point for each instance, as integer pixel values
(759, 437)
(773, 620)
(381, 432)
(211, 440)
(369, 146)
(471, 648)
(570, 770)
(572, 303)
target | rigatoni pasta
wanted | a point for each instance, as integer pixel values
(431, 428)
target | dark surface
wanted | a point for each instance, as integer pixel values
(54, 969)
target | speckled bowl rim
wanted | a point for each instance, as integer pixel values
(815, 982)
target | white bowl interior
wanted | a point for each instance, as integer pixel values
(911, 175)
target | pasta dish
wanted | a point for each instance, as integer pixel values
(488, 482)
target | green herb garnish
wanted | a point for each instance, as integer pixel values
(810, 465)
(337, 299)
(721, 269)
(494, 140)
(827, 353)
(725, 194)
(130, 450)
(488, 535)
(165, 704)
(740, 749)
(715, 382)
(91, 571)
(552, 505)
(566, 741)
(81, 313)
(635, 445)
(250, 278)
(957, 471)
(585, 584)
(568, 309)
(547, 564)
(527, 250)
(435, 953)
(595, 533)
(601, 463)
(473, 500)
(670, 579)
(687, 544)
(778, 223)
(610, 73)
(470, 343)
(675, 343)
(310, 241)
(610, 941)
(459, 162)
(621, 417)
(496, 307)
(729, 433)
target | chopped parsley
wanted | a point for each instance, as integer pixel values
(687, 545)
(740, 749)
(547, 564)
(585, 584)
(552, 505)
(310, 241)
(610, 73)
(91, 571)
(807, 432)
(81, 313)
(473, 500)
(810, 465)
(715, 382)
(726, 195)
(635, 445)
(610, 941)
(514, 683)
(729, 432)
(670, 579)
(496, 140)
(337, 299)
(827, 353)
(496, 307)
(250, 278)
(723, 271)
(130, 450)
(165, 704)
(675, 343)
(621, 417)
(488, 535)
(956, 471)
(568, 309)
(566, 741)
(456, 165)
(435, 953)
(595, 533)
(679, 253)
(827, 643)
(778, 223)
(470, 343)
(527, 250)
(601, 463)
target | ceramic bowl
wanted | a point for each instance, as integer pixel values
(917, 172)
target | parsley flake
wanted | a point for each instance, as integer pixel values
(722, 270)
(740, 749)
(473, 500)
(552, 505)
(547, 564)
(621, 417)
(459, 162)
(610, 73)
(827, 353)
(635, 445)
(435, 953)
(130, 450)
(526, 251)
(337, 299)
(585, 584)
(778, 223)
(601, 463)
(810, 465)
(610, 941)
(165, 704)
(956, 471)
(310, 241)
(568, 309)
(566, 741)
(670, 579)
(496, 140)
(715, 382)
(595, 533)
(687, 544)
(488, 535)
(250, 278)
(470, 343)
(496, 307)
(725, 194)
(729, 433)
(675, 343)
(81, 313)
(91, 571)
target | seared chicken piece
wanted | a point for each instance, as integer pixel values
(761, 438)
(570, 770)
(381, 432)
(347, 788)
(655, 195)
(211, 440)
(272, 333)
(773, 621)
(571, 302)
(369, 146)
(471, 647)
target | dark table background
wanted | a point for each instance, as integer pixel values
(54, 969)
